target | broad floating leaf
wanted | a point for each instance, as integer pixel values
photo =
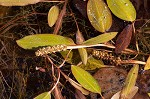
(123, 9)
(85, 79)
(99, 15)
(45, 95)
(38, 40)
(101, 38)
(124, 38)
(130, 81)
(92, 64)
(17, 2)
(53, 15)
(134, 90)
(83, 54)
(147, 66)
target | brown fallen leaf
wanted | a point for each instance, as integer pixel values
(124, 39)
(79, 95)
(111, 81)
(143, 81)
(141, 95)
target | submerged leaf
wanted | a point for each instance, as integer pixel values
(53, 15)
(101, 38)
(38, 40)
(123, 9)
(18, 2)
(99, 15)
(124, 39)
(85, 79)
(92, 64)
(147, 66)
(130, 82)
(45, 95)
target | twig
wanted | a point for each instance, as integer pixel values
(18, 18)
(56, 82)
(132, 62)
(60, 18)
(65, 59)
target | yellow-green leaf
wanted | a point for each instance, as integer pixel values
(147, 66)
(85, 79)
(99, 15)
(92, 64)
(53, 15)
(130, 81)
(17, 2)
(38, 40)
(123, 9)
(45, 95)
(101, 38)
(83, 55)
(134, 90)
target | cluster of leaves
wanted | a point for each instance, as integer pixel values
(100, 18)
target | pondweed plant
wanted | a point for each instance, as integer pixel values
(100, 18)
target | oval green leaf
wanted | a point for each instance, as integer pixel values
(39, 40)
(99, 15)
(83, 55)
(53, 15)
(92, 64)
(45, 95)
(85, 79)
(123, 9)
(130, 81)
(17, 2)
(101, 38)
